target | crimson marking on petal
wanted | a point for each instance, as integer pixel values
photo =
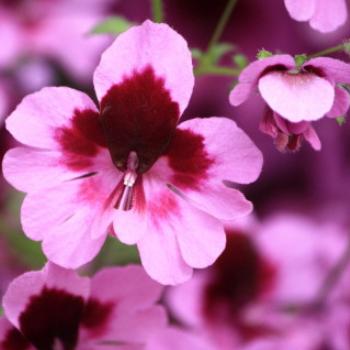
(51, 316)
(96, 315)
(81, 140)
(139, 115)
(239, 276)
(189, 159)
(14, 340)
(162, 207)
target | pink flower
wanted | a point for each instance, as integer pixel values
(55, 29)
(246, 296)
(163, 186)
(296, 95)
(56, 309)
(323, 15)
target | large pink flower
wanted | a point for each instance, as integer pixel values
(164, 187)
(56, 309)
(296, 96)
(323, 15)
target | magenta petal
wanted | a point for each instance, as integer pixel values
(154, 45)
(341, 103)
(132, 297)
(312, 138)
(297, 97)
(30, 284)
(201, 237)
(240, 93)
(335, 70)
(301, 10)
(160, 253)
(139, 290)
(37, 117)
(248, 79)
(31, 170)
(124, 225)
(329, 15)
(176, 339)
(234, 155)
(11, 338)
(73, 250)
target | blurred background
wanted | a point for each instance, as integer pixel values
(272, 278)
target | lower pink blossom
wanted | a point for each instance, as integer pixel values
(118, 308)
(296, 95)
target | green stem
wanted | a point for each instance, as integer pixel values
(157, 11)
(337, 48)
(216, 70)
(222, 23)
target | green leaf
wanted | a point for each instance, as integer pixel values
(112, 25)
(263, 54)
(196, 53)
(240, 60)
(300, 59)
(347, 46)
(341, 120)
(218, 51)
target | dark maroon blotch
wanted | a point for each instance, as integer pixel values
(139, 115)
(53, 315)
(14, 340)
(238, 277)
(96, 315)
(81, 140)
(188, 158)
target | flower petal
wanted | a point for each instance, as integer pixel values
(139, 290)
(248, 79)
(23, 288)
(30, 170)
(37, 117)
(11, 338)
(70, 245)
(341, 103)
(172, 338)
(297, 97)
(312, 138)
(203, 155)
(154, 45)
(72, 218)
(133, 315)
(178, 235)
(158, 247)
(301, 10)
(334, 69)
(329, 15)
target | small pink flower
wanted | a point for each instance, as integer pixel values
(162, 185)
(56, 309)
(54, 29)
(323, 15)
(266, 267)
(296, 95)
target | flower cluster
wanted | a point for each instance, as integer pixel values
(133, 166)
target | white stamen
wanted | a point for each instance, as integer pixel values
(124, 202)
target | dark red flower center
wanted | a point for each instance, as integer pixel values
(239, 276)
(138, 115)
(53, 318)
